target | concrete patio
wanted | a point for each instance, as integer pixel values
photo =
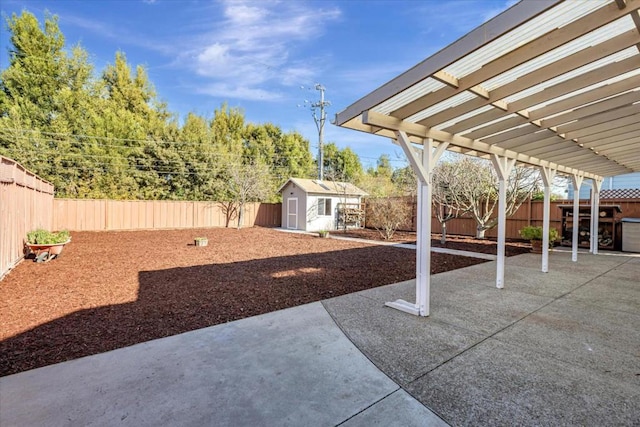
(561, 348)
(557, 348)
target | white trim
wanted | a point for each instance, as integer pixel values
(577, 183)
(295, 227)
(547, 178)
(422, 164)
(503, 167)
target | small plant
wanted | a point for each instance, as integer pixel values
(532, 232)
(387, 215)
(323, 233)
(44, 237)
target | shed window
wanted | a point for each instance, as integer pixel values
(324, 207)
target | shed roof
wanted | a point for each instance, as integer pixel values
(551, 83)
(326, 187)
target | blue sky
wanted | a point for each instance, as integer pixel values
(257, 55)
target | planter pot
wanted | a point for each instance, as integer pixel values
(323, 234)
(201, 241)
(46, 252)
(536, 246)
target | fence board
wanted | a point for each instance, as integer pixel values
(529, 213)
(98, 215)
(26, 203)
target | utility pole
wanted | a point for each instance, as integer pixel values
(320, 116)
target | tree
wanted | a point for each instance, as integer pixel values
(344, 163)
(46, 95)
(377, 186)
(107, 135)
(477, 192)
(228, 132)
(286, 154)
(132, 115)
(446, 192)
(292, 157)
(36, 68)
(246, 183)
(378, 181)
(383, 167)
(405, 181)
(201, 160)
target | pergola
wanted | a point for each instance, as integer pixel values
(548, 83)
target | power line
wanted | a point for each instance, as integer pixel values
(279, 157)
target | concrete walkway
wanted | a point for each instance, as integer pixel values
(479, 255)
(561, 348)
(292, 367)
(470, 254)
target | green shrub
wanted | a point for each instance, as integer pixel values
(532, 232)
(44, 237)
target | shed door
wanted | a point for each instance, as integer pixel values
(292, 213)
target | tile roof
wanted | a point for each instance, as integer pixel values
(626, 193)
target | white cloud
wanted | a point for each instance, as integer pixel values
(224, 90)
(254, 47)
(121, 34)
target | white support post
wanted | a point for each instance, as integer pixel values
(503, 168)
(548, 175)
(577, 182)
(422, 167)
(423, 245)
(592, 215)
(597, 185)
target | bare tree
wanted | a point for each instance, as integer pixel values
(446, 191)
(230, 211)
(246, 183)
(387, 215)
(476, 191)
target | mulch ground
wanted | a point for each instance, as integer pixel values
(114, 289)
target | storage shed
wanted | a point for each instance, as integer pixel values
(313, 205)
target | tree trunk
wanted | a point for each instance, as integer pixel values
(480, 233)
(443, 238)
(240, 215)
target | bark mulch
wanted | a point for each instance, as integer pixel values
(114, 289)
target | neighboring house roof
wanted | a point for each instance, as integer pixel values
(627, 193)
(325, 187)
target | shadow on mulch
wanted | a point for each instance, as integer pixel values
(177, 300)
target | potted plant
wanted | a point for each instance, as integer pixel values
(534, 234)
(46, 245)
(323, 233)
(201, 241)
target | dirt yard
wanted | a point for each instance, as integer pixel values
(114, 289)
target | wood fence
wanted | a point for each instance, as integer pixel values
(26, 203)
(530, 213)
(99, 215)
